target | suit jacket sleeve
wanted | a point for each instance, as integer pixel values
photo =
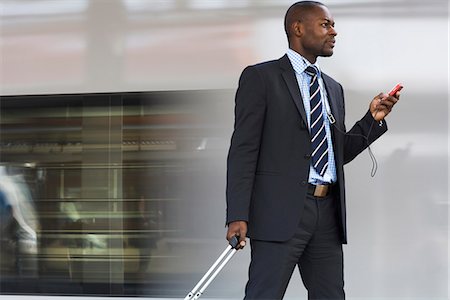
(245, 143)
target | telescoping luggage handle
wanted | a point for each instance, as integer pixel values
(209, 276)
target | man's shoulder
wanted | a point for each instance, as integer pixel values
(268, 70)
(268, 65)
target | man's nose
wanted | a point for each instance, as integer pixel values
(333, 31)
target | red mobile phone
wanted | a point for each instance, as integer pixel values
(396, 89)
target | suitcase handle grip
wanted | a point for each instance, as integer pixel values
(234, 241)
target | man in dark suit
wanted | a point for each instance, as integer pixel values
(285, 178)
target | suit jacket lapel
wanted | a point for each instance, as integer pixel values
(288, 74)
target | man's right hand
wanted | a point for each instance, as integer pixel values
(238, 228)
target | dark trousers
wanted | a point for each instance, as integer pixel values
(316, 249)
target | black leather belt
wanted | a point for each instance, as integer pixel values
(319, 190)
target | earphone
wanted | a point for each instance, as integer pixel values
(332, 121)
(366, 138)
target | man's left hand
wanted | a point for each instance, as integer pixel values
(382, 105)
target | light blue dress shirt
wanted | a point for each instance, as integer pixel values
(299, 64)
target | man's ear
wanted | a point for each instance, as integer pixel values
(297, 28)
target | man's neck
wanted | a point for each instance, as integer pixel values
(311, 58)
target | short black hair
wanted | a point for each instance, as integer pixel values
(300, 7)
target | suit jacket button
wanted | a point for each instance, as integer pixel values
(304, 182)
(307, 156)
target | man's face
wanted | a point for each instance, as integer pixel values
(318, 33)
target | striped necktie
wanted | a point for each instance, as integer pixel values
(318, 136)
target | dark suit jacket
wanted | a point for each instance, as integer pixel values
(270, 152)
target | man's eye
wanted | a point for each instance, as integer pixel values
(326, 25)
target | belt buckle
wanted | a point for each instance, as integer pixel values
(321, 190)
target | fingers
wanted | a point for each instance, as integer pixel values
(242, 235)
(382, 105)
(233, 229)
(397, 95)
(376, 101)
(239, 229)
(387, 103)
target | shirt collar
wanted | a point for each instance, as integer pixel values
(299, 63)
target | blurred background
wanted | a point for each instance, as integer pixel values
(115, 122)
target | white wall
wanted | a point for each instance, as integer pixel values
(51, 46)
(398, 221)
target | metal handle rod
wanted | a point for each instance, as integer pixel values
(214, 274)
(192, 293)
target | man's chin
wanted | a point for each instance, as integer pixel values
(327, 53)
